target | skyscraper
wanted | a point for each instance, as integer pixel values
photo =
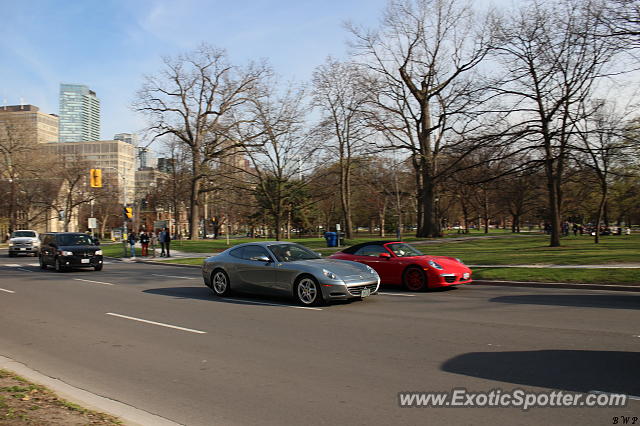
(79, 114)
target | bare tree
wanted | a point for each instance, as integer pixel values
(422, 57)
(604, 148)
(197, 100)
(552, 59)
(283, 154)
(340, 94)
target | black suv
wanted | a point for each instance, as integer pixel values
(66, 250)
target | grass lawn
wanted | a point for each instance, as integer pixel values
(536, 250)
(507, 250)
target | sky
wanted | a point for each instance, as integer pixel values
(109, 45)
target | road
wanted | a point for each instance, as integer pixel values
(264, 361)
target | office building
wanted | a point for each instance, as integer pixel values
(79, 114)
(117, 160)
(27, 123)
(130, 138)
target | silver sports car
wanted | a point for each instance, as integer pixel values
(288, 268)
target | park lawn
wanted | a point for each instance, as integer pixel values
(506, 250)
(564, 275)
(535, 250)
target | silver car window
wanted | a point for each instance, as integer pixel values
(292, 252)
(253, 252)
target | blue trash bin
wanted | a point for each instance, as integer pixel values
(332, 239)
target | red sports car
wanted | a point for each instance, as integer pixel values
(402, 264)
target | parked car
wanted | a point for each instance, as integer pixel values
(67, 250)
(24, 241)
(287, 269)
(399, 263)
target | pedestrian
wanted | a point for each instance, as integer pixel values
(575, 229)
(144, 243)
(154, 242)
(165, 242)
(132, 243)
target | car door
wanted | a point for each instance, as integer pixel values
(47, 249)
(370, 255)
(255, 273)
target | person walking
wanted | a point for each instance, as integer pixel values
(165, 242)
(154, 242)
(132, 243)
(144, 243)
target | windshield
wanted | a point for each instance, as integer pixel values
(404, 250)
(292, 252)
(75, 240)
(18, 234)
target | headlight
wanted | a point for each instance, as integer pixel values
(329, 274)
(371, 270)
(66, 253)
(98, 253)
(436, 265)
(10, 243)
(460, 260)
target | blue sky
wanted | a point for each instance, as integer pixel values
(110, 44)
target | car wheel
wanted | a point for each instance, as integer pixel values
(414, 279)
(98, 267)
(41, 262)
(307, 291)
(220, 283)
(11, 254)
(58, 265)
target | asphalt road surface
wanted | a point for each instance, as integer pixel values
(156, 338)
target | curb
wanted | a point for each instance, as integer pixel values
(128, 414)
(608, 287)
(179, 265)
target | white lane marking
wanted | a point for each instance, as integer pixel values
(156, 323)
(25, 270)
(174, 276)
(635, 398)
(251, 302)
(8, 291)
(397, 294)
(89, 281)
(13, 265)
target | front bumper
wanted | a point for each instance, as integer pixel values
(23, 249)
(449, 279)
(340, 290)
(80, 261)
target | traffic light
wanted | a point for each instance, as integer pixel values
(95, 178)
(128, 212)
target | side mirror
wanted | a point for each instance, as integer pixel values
(385, 255)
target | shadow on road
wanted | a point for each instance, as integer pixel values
(578, 300)
(569, 370)
(203, 293)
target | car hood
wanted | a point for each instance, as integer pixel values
(444, 261)
(24, 240)
(338, 267)
(80, 249)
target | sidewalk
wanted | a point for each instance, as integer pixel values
(552, 266)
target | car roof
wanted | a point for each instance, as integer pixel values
(353, 249)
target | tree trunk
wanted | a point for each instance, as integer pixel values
(601, 212)
(430, 227)
(194, 201)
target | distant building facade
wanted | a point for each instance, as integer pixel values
(79, 114)
(117, 160)
(130, 138)
(28, 123)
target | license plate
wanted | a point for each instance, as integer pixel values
(22, 248)
(84, 260)
(365, 292)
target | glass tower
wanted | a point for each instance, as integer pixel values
(79, 114)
